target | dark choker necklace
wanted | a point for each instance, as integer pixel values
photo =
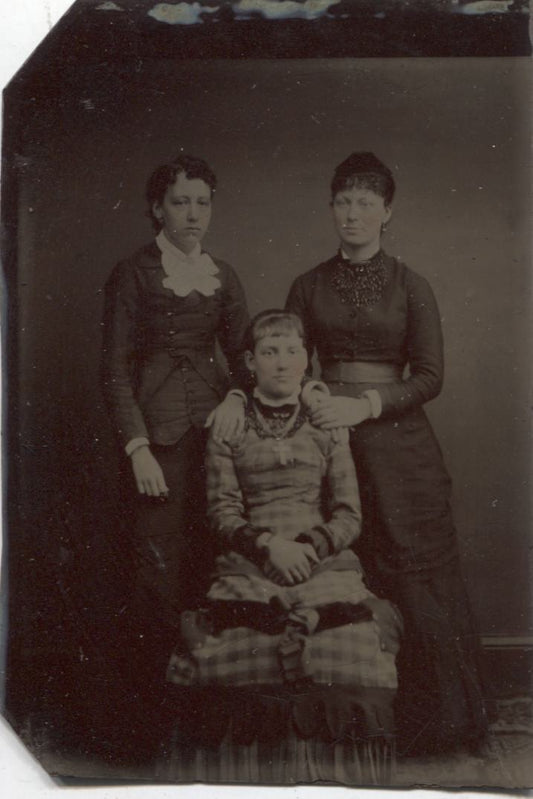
(270, 422)
(362, 283)
(275, 411)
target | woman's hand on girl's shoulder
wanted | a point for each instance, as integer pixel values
(227, 419)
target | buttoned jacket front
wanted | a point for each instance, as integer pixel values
(160, 370)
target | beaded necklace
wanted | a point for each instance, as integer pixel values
(277, 423)
(360, 284)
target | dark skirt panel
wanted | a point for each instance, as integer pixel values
(174, 551)
(265, 712)
(405, 488)
(441, 696)
(172, 559)
(408, 549)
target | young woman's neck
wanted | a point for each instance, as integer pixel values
(184, 250)
(266, 399)
(363, 253)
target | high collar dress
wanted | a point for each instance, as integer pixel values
(387, 320)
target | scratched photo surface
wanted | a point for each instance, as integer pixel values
(273, 95)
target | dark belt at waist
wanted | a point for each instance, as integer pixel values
(361, 372)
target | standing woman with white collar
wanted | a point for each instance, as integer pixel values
(165, 308)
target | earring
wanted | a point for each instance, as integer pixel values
(384, 227)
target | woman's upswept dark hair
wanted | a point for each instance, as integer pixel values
(166, 174)
(273, 322)
(364, 170)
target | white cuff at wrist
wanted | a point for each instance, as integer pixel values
(312, 385)
(262, 541)
(374, 399)
(136, 443)
(236, 392)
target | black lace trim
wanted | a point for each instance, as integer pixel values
(274, 423)
(361, 284)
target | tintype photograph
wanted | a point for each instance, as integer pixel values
(267, 348)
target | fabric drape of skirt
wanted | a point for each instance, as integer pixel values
(409, 552)
(273, 735)
(289, 761)
(298, 695)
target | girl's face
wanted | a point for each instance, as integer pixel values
(279, 363)
(185, 212)
(358, 214)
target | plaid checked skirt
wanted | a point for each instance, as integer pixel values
(323, 697)
(361, 653)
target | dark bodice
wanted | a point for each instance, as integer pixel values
(401, 328)
(178, 325)
(156, 343)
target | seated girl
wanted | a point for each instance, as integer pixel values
(288, 671)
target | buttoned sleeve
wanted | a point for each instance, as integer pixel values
(234, 321)
(424, 349)
(120, 352)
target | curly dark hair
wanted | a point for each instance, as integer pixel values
(166, 174)
(366, 171)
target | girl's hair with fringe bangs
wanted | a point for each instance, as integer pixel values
(273, 322)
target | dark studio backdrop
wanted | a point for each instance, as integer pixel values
(455, 132)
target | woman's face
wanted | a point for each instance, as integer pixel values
(358, 214)
(279, 363)
(185, 212)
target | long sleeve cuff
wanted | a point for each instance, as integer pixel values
(237, 392)
(135, 443)
(376, 405)
(310, 386)
(244, 541)
(319, 540)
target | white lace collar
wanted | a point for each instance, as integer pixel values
(186, 273)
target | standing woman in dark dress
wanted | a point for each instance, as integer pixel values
(165, 308)
(368, 316)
